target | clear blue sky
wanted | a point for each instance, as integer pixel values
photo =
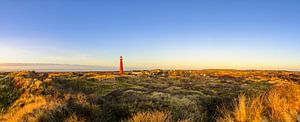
(192, 34)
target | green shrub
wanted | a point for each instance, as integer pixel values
(8, 93)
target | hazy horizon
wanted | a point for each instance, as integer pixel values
(48, 67)
(153, 34)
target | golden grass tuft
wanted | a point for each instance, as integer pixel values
(256, 109)
(81, 98)
(281, 103)
(155, 116)
(284, 102)
(17, 113)
(240, 109)
(74, 118)
(227, 117)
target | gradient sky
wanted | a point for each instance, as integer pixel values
(192, 34)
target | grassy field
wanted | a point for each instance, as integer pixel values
(156, 95)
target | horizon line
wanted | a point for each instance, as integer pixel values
(74, 67)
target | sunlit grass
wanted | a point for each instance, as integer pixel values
(281, 103)
(152, 96)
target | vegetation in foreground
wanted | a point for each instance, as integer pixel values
(205, 95)
(281, 103)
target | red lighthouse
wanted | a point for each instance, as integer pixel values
(121, 65)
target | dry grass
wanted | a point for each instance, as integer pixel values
(17, 113)
(256, 107)
(81, 98)
(284, 102)
(75, 118)
(227, 117)
(71, 97)
(281, 103)
(240, 109)
(156, 116)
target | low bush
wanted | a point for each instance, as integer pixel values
(8, 94)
